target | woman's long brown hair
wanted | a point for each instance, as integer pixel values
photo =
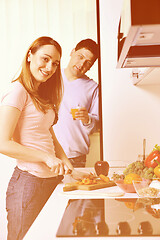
(49, 94)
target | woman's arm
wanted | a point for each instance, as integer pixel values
(8, 120)
(76, 174)
(59, 150)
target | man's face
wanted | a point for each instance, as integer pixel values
(81, 61)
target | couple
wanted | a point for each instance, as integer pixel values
(29, 128)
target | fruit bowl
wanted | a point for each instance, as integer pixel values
(127, 188)
(147, 189)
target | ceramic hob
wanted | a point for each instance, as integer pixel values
(111, 217)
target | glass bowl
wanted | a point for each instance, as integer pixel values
(127, 188)
(148, 189)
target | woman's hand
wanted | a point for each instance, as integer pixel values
(56, 165)
(78, 175)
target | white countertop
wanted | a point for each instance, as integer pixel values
(47, 223)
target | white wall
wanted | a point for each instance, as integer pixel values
(130, 113)
(67, 21)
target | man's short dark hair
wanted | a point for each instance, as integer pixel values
(90, 45)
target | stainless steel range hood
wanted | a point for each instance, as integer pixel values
(139, 34)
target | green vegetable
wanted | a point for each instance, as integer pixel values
(139, 168)
(156, 147)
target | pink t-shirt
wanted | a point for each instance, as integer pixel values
(32, 129)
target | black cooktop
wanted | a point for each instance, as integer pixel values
(111, 217)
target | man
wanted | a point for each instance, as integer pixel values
(79, 92)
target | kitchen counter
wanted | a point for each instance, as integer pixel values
(47, 223)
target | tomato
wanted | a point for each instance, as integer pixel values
(150, 161)
(157, 170)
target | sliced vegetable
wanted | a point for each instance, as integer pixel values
(104, 178)
(152, 159)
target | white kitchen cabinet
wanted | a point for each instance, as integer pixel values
(148, 76)
(139, 34)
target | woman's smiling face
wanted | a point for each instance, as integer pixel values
(44, 63)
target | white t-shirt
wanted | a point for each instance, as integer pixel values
(32, 129)
(72, 134)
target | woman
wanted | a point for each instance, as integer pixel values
(27, 112)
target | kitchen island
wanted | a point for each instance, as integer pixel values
(48, 221)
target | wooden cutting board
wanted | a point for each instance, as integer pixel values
(100, 184)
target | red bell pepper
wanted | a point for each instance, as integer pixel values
(152, 159)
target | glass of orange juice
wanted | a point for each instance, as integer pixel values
(73, 111)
